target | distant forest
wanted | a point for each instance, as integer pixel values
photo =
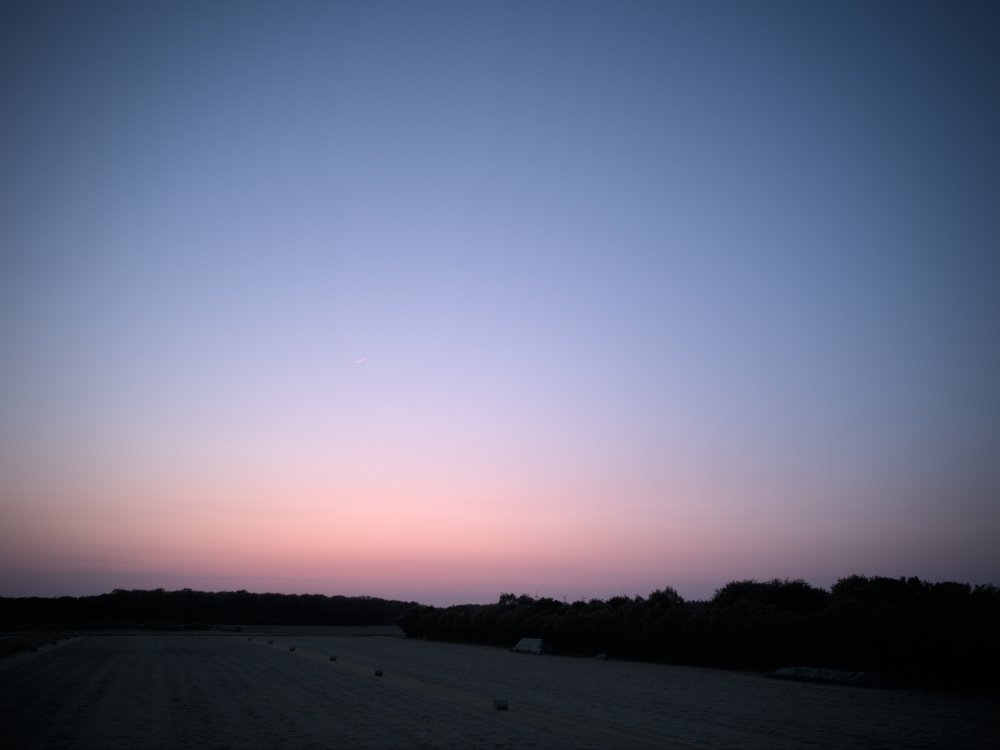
(187, 609)
(910, 631)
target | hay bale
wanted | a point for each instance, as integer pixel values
(333, 657)
(270, 643)
(291, 648)
(500, 704)
(378, 671)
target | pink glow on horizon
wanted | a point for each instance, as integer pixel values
(433, 540)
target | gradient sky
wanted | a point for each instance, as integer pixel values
(438, 300)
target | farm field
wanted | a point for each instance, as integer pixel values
(239, 691)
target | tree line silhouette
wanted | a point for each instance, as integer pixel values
(195, 609)
(910, 631)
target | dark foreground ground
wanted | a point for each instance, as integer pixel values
(225, 691)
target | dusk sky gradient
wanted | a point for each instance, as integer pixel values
(435, 300)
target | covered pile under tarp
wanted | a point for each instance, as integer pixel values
(530, 646)
(831, 676)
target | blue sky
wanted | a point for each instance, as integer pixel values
(646, 294)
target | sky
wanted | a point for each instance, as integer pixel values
(438, 300)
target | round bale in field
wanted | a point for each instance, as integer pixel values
(378, 671)
(500, 704)
(333, 657)
(291, 648)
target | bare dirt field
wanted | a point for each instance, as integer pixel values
(225, 691)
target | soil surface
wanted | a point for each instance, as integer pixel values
(239, 691)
